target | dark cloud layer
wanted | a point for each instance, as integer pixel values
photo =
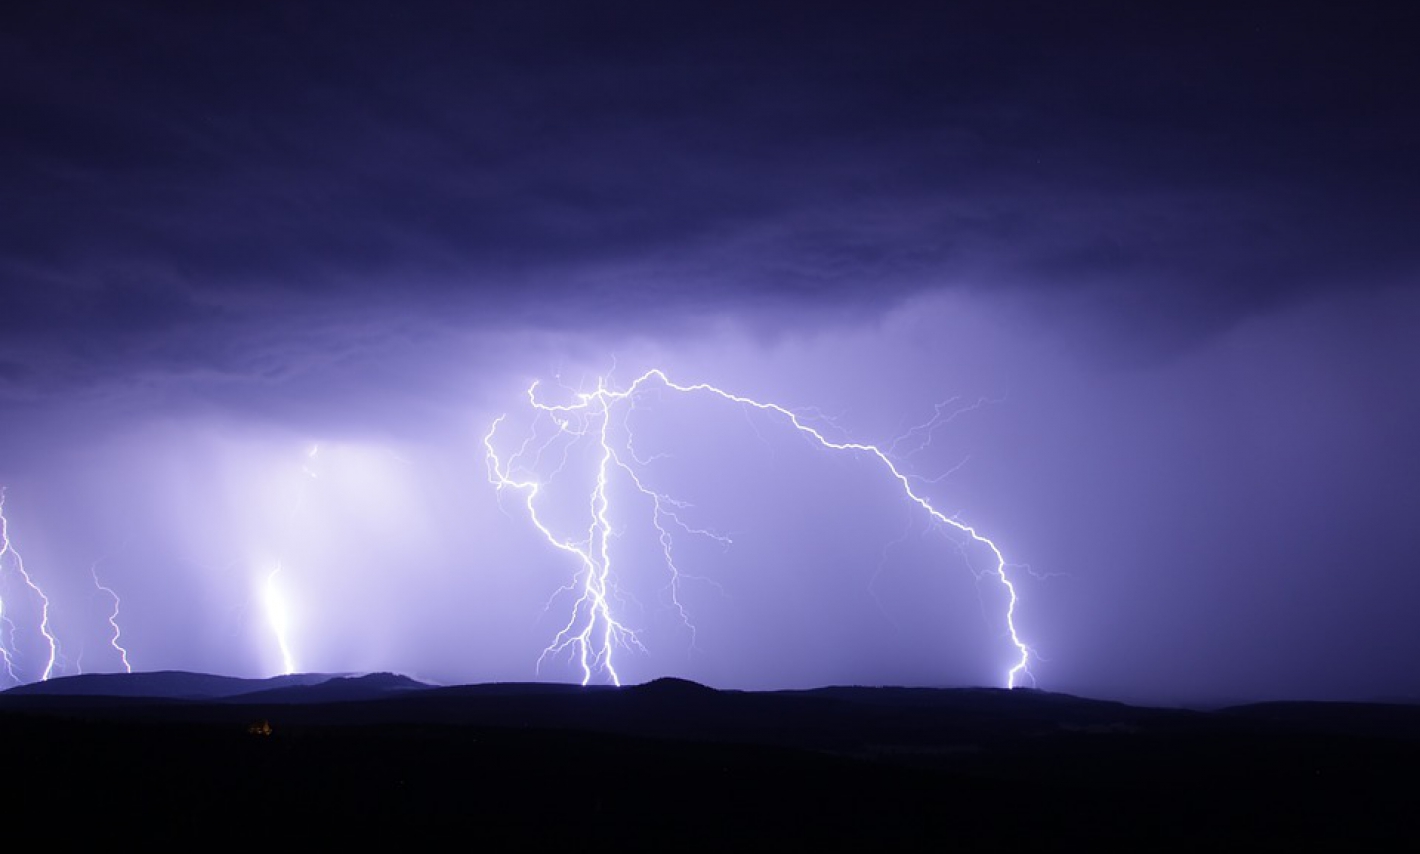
(167, 167)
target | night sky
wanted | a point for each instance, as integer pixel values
(1162, 263)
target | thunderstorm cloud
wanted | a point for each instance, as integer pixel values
(1171, 252)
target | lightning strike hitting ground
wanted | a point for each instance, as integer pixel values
(278, 612)
(277, 617)
(113, 620)
(593, 634)
(7, 645)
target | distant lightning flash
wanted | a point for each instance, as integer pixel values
(593, 634)
(278, 613)
(113, 619)
(6, 651)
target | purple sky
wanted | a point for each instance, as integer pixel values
(1174, 252)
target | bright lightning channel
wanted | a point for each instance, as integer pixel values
(278, 612)
(592, 634)
(277, 616)
(113, 619)
(6, 652)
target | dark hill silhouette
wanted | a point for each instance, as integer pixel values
(671, 685)
(335, 689)
(1398, 720)
(671, 763)
(164, 684)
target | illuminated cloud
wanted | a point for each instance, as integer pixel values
(1172, 247)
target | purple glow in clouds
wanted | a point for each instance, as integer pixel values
(1175, 244)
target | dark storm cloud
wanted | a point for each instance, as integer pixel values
(168, 167)
(1174, 248)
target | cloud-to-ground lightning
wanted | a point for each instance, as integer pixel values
(113, 619)
(273, 599)
(7, 651)
(278, 619)
(593, 633)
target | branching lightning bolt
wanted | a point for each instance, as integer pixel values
(6, 651)
(593, 634)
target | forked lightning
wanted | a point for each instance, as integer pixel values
(593, 633)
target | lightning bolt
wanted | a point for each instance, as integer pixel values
(278, 613)
(278, 618)
(592, 634)
(599, 632)
(6, 650)
(8, 629)
(112, 619)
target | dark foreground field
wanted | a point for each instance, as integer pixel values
(312, 761)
